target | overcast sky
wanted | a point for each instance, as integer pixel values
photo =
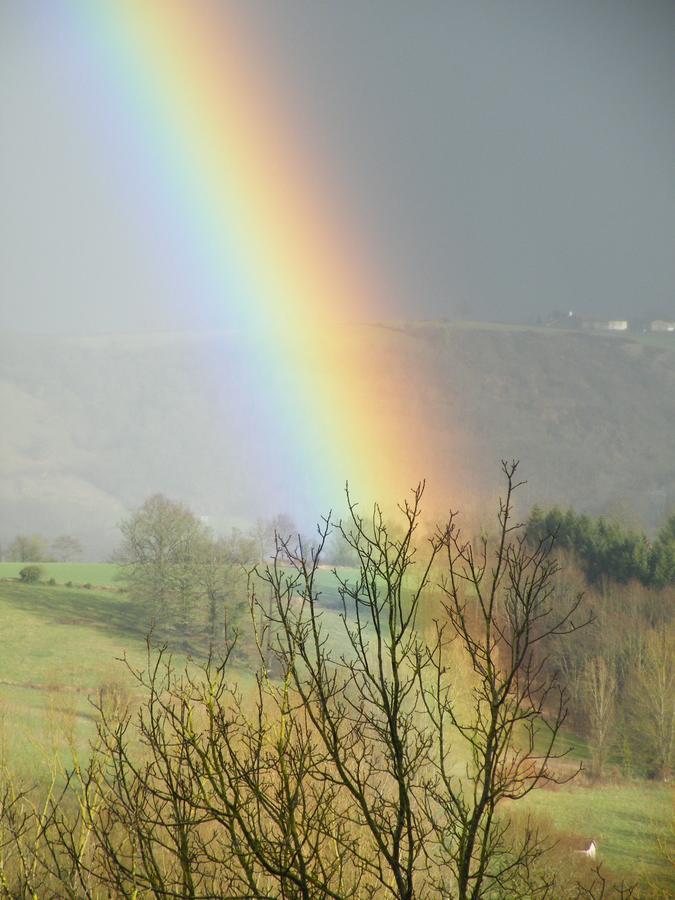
(502, 159)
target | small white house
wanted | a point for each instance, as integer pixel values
(591, 851)
(662, 325)
(604, 325)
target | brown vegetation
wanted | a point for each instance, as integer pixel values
(353, 774)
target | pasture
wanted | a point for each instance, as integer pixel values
(630, 822)
(98, 574)
(59, 646)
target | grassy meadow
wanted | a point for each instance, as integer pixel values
(631, 823)
(59, 645)
(96, 574)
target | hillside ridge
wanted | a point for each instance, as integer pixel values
(93, 425)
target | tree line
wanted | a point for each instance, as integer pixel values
(620, 673)
(35, 548)
(607, 549)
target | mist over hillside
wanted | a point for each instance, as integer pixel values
(94, 425)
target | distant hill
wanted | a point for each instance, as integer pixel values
(91, 426)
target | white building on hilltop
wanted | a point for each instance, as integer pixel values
(661, 325)
(604, 325)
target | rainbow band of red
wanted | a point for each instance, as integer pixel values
(280, 260)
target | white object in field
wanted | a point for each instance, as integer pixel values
(590, 851)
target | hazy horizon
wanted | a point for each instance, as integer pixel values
(256, 171)
(492, 163)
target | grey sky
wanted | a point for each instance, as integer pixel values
(501, 159)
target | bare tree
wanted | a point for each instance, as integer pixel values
(501, 609)
(654, 696)
(66, 548)
(600, 697)
(27, 548)
(386, 713)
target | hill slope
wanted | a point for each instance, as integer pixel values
(93, 425)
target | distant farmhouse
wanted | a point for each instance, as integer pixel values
(661, 325)
(604, 325)
(574, 320)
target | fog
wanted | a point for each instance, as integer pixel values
(498, 161)
(484, 163)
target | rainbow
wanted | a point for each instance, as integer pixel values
(264, 234)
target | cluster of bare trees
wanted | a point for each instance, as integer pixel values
(628, 703)
(389, 764)
(36, 548)
(620, 675)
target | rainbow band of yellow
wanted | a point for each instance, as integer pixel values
(250, 203)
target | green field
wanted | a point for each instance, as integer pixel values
(100, 574)
(109, 575)
(631, 824)
(58, 645)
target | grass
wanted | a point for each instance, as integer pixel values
(629, 822)
(327, 586)
(99, 574)
(109, 575)
(58, 645)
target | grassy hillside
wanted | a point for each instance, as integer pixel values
(58, 646)
(96, 574)
(631, 824)
(93, 426)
